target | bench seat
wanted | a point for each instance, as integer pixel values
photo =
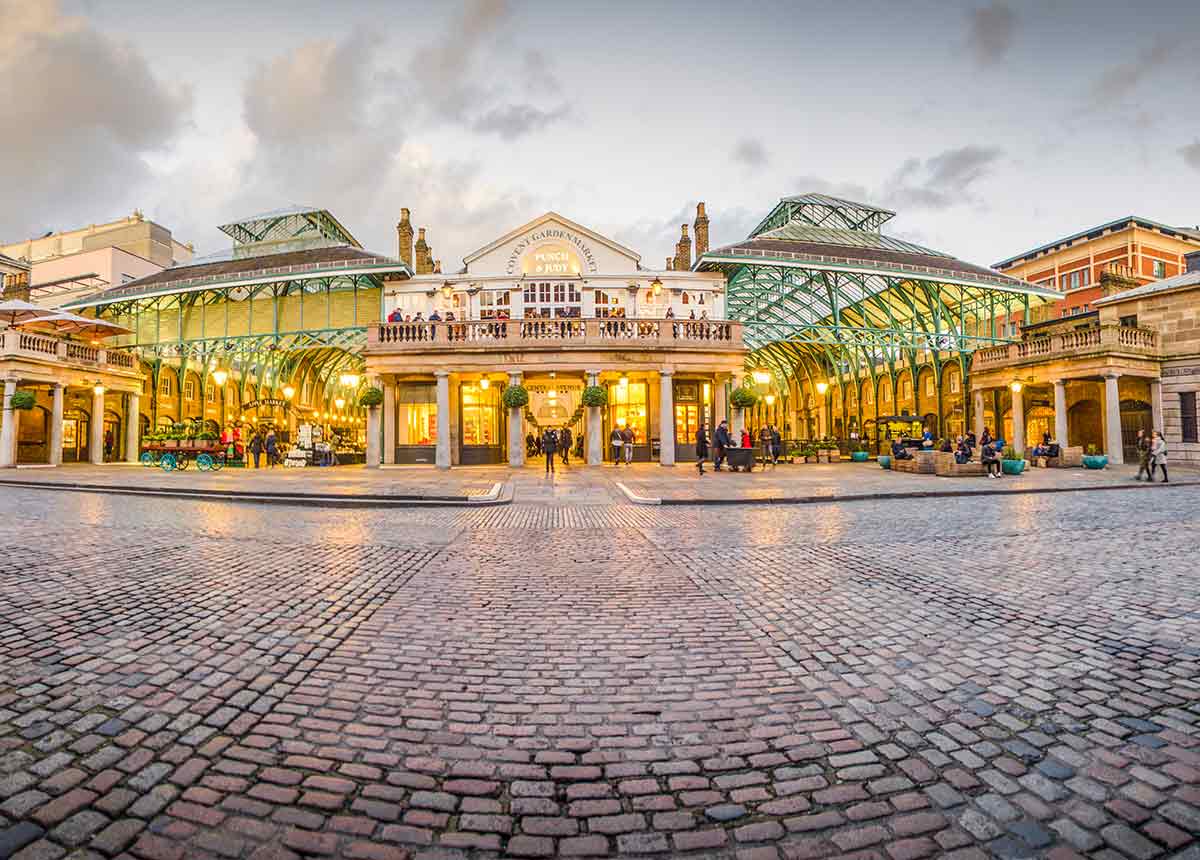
(922, 463)
(945, 467)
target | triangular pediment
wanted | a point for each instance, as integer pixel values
(588, 250)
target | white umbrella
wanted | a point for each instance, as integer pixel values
(15, 311)
(66, 322)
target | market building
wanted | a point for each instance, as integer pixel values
(555, 307)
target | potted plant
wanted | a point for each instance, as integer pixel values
(170, 438)
(22, 400)
(858, 452)
(370, 397)
(516, 397)
(1093, 459)
(810, 454)
(743, 398)
(885, 461)
(594, 395)
(1012, 462)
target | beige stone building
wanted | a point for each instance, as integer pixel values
(1097, 378)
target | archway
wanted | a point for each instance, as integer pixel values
(1084, 425)
(1135, 415)
(33, 436)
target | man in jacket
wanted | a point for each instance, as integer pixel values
(617, 441)
(1143, 449)
(701, 447)
(549, 445)
(564, 442)
(721, 442)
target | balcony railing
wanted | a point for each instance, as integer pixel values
(533, 333)
(15, 343)
(1078, 342)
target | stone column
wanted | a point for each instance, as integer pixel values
(443, 419)
(666, 422)
(738, 418)
(516, 428)
(56, 425)
(1060, 413)
(373, 438)
(720, 400)
(595, 426)
(133, 428)
(1156, 406)
(8, 429)
(96, 442)
(1018, 422)
(978, 410)
(389, 422)
(1112, 420)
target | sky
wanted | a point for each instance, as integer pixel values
(989, 127)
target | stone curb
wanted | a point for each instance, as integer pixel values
(495, 496)
(867, 497)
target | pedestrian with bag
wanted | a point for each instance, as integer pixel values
(701, 447)
(549, 446)
(1143, 449)
(564, 442)
(617, 441)
(1158, 456)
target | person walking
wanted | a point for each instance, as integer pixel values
(617, 441)
(721, 442)
(1143, 449)
(628, 436)
(256, 447)
(549, 444)
(776, 445)
(701, 447)
(271, 445)
(1158, 456)
(564, 442)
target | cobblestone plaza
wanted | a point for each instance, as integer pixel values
(969, 677)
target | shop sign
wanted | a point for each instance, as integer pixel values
(267, 401)
(551, 251)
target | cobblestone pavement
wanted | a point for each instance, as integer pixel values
(1009, 677)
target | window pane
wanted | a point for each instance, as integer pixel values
(481, 415)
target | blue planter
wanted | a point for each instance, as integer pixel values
(858, 456)
(1012, 467)
(885, 461)
(1095, 461)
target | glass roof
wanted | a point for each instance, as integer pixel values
(800, 232)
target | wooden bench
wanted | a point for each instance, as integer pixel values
(945, 466)
(922, 463)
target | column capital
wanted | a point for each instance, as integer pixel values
(1112, 376)
(1060, 381)
(670, 372)
(441, 373)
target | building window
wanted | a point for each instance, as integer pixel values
(628, 408)
(954, 383)
(1129, 321)
(558, 300)
(210, 394)
(1160, 269)
(189, 390)
(609, 304)
(688, 411)
(906, 388)
(493, 304)
(416, 415)
(1187, 414)
(164, 386)
(480, 414)
(929, 386)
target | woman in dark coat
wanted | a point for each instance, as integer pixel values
(701, 447)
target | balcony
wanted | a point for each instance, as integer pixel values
(569, 334)
(1073, 344)
(44, 349)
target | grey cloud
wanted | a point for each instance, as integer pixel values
(939, 182)
(513, 121)
(448, 77)
(990, 32)
(1118, 81)
(1191, 154)
(89, 110)
(817, 185)
(751, 152)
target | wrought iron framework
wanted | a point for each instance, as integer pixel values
(826, 298)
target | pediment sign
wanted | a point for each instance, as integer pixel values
(552, 247)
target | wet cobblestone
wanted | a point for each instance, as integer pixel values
(966, 678)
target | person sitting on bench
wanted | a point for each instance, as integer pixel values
(963, 453)
(899, 451)
(991, 460)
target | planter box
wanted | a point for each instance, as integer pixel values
(858, 456)
(945, 466)
(812, 459)
(1095, 461)
(1012, 467)
(170, 443)
(885, 461)
(922, 463)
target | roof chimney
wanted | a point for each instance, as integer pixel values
(701, 227)
(404, 232)
(670, 263)
(683, 250)
(422, 261)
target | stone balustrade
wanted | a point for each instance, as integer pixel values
(18, 344)
(537, 333)
(1073, 343)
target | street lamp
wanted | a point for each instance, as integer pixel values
(761, 376)
(1016, 387)
(447, 290)
(219, 376)
(623, 381)
(288, 392)
(770, 399)
(484, 383)
(656, 286)
(340, 403)
(822, 387)
(98, 389)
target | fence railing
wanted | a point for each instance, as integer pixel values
(649, 333)
(15, 343)
(1069, 343)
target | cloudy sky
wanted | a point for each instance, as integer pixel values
(989, 126)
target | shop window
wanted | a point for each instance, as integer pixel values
(493, 304)
(1187, 415)
(416, 415)
(480, 414)
(609, 304)
(627, 407)
(1160, 269)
